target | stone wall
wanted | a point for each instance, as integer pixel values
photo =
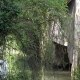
(71, 8)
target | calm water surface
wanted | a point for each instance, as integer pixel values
(57, 75)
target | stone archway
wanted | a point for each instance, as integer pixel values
(61, 57)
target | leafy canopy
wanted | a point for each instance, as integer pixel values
(26, 19)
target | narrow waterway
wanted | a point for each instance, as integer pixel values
(57, 75)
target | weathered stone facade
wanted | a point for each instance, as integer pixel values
(73, 41)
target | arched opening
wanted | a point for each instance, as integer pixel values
(61, 60)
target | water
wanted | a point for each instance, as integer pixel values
(57, 75)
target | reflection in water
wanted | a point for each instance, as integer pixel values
(57, 75)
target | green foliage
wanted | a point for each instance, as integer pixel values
(77, 73)
(28, 20)
(8, 12)
(33, 19)
(17, 68)
(29, 24)
(49, 54)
